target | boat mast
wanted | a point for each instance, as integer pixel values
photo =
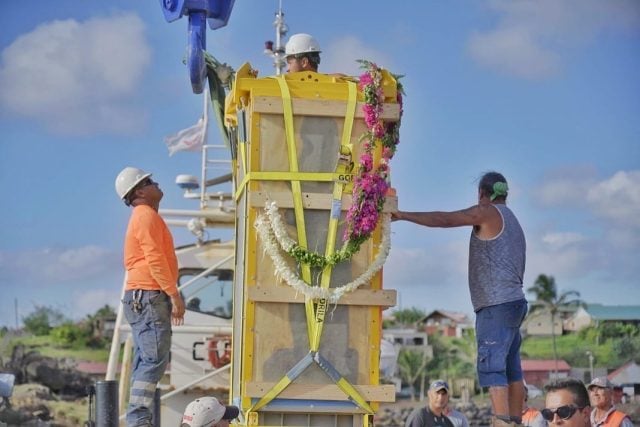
(277, 51)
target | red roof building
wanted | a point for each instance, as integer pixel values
(540, 371)
(445, 323)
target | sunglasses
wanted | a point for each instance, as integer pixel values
(564, 412)
(145, 182)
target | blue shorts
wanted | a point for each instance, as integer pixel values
(498, 338)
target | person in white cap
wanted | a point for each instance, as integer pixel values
(433, 414)
(151, 301)
(604, 413)
(208, 412)
(302, 52)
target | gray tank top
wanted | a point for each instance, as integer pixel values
(496, 266)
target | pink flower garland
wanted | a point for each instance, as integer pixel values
(371, 184)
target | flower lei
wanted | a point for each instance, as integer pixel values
(370, 185)
(274, 236)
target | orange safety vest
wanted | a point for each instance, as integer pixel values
(614, 419)
(529, 415)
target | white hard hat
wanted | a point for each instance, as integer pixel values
(301, 43)
(206, 412)
(127, 179)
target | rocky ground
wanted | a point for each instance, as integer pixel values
(51, 393)
(34, 405)
(48, 392)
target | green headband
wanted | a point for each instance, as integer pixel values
(500, 189)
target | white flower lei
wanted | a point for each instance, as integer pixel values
(274, 236)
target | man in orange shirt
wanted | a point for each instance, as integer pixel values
(151, 301)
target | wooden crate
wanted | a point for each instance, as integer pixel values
(271, 327)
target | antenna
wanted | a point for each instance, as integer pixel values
(277, 51)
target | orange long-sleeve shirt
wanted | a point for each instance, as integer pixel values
(149, 256)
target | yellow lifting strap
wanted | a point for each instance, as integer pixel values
(296, 189)
(321, 308)
(336, 209)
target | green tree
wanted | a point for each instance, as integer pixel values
(412, 364)
(42, 319)
(106, 311)
(68, 334)
(547, 299)
(408, 316)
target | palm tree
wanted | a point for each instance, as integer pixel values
(412, 364)
(547, 298)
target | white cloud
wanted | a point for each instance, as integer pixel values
(530, 36)
(430, 278)
(341, 55)
(609, 207)
(617, 199)
(434, 266)
(566, 187)
(77, 77)
(49, 266)
(514, 51)
(90, 301)
(562, 240)
(567, 255)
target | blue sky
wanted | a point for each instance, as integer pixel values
(546, 92)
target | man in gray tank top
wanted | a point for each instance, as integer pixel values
(496, 267)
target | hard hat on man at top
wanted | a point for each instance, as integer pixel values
(301, 43)
(127, 179)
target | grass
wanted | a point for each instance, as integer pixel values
(47, 347)
(571, 348)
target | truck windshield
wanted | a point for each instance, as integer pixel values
(211, 294)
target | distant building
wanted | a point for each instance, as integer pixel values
(595, 314)
(627, 376)
(541, 371)
(445, 323)
(408, 339)
(538, 322)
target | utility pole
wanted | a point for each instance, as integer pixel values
(590, 355)
(16, 311)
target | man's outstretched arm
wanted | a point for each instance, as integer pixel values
(474, 215)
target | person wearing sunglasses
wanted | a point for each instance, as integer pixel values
(151, 301)
(566, 404)
(604, 413)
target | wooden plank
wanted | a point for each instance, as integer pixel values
(368, 297)
(318, 107)
(284, 200)
(371, 393)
